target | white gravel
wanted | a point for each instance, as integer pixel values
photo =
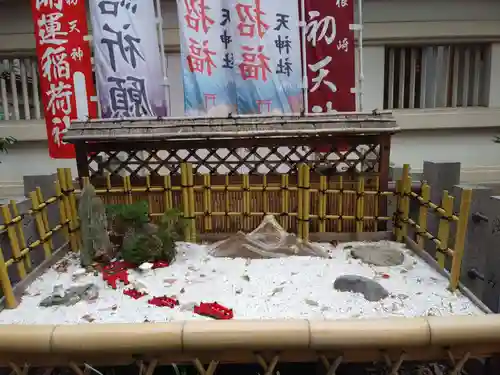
(293, 287)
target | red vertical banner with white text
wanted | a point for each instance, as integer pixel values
(330, 55)
(64, 63)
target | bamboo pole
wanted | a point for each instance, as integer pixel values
(322, 203)
(44, 210)
(227, 203)
(360, 205)
(285, 198)
(306, 201)
(167, 192)
(376, 203)
(20, 233)
(14, 242)
(127, 186)
(185, 202)
(6, 285)
(422, 213)
(62, 211)
(265, 195)
(405, 200)
(207, 202)
(397, 217)
(192, 201)
(300, 201)
(444, 228)
(340, 204)
(72, 203)
(246, 200)
(39, 224)
(148, 195)
(61, 176)
(458, 251)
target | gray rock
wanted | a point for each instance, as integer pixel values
(72, 296)
(371, 290)
(377, 255)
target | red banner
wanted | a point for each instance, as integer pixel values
(66, 83)
(330, 55)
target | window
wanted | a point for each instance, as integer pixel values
(436, 76)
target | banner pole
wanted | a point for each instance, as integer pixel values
(361, 78)
(166, 83)
(305, 82)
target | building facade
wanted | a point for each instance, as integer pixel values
(435, 63)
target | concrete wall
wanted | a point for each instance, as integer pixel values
(440, 134)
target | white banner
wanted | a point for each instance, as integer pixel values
(240, 56)
(130, 79)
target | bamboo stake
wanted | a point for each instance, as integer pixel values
(376, 203)
(20, 232)
(39, 224)
(6, 285)
(227, 203)
(285, 198)
(360, 205)
(207, 202)
(425, 193)
(322, 203)
(444, 228)
(397, 217)
(148, 195)
(460, 238)
(14, 243)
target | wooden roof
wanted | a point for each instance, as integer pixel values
(236, 127)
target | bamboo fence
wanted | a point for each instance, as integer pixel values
(302, 204)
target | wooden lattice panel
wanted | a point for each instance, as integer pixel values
(238, 160)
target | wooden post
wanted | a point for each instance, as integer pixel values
(425, 193)
(460, 238)
(444, 228)
(360, 205)
(72, 203)
(14, 242)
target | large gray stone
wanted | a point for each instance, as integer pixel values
(371, 290)
(378, 255)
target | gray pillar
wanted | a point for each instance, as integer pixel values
(491, 294)
(476, 248)
(440, 176)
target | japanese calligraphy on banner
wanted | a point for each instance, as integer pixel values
(330, 55)
(240, 56)
(65, 68)
(130, 78)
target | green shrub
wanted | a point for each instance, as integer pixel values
(125, 216)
